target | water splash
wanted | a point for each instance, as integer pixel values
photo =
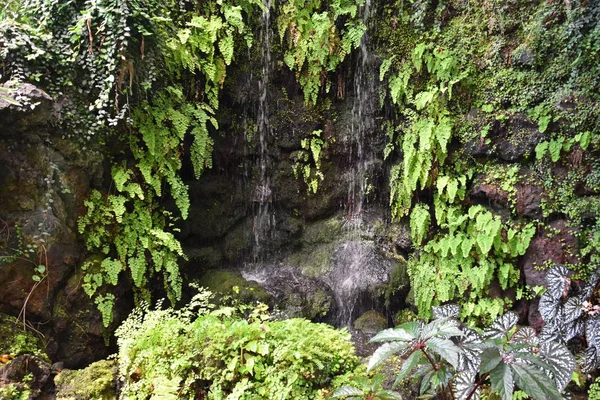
(264, 217)
(363, 122)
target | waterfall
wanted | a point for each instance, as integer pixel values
(264, 217)
(363, 122)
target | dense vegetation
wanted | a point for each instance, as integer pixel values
(503, 94)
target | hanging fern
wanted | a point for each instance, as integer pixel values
(313, 43)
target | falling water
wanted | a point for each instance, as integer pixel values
(363, 123)
(264, 218)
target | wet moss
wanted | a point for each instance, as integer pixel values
(97, 381)
(231, 283)
(370, 322)
(14, 340)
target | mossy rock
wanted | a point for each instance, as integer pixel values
(232, 283)
(14, 391)
(370, 322)
(14, 340)
(97, 381)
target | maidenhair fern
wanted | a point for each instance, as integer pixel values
(313, 41)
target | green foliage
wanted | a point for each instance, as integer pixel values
(419, 223)
(429, 125)
(462, 260)
(366, 388)
(457, 361)
(15, 392)
(312, 148)
(594, 390)
(217, 355)
(313, 41)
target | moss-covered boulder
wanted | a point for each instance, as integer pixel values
(370, 322)
(97, 381)
(14, 340)
(231, 283)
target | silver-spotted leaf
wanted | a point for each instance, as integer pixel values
(592, 331)
(549, 307)
(572, 309)
(469, 357)
(446, 310)
(525, 335)
(464, 387)
(558, 281)
(501, 325)
(591, 359)
(560, 361)
(549, 333)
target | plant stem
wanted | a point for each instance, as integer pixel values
(435, 368)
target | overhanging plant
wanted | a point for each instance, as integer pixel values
(459, 363)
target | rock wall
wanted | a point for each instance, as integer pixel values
(45, 178)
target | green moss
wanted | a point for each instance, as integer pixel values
(14, 340)
(231, 283)
(405, 315)
(14, 391)
(97, 381)
(370, 322)
(399, 280)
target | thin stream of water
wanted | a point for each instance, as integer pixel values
(363, 122)
(264, 217)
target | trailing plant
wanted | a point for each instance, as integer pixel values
(317, 36)
(459, 363)
(219, 354)
(132, 217)
(571, 312)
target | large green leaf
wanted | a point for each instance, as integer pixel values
(408, 365)
(534, 382)
(445, 348)
(403, 333)
(347, 391)
(386, 350)
(490, 358)
(442, 327)
(501, 378)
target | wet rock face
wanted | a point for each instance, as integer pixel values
(337, 274)
(44, 180)
(556, 244)
(517, 138)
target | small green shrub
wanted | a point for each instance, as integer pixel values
(220, 355)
